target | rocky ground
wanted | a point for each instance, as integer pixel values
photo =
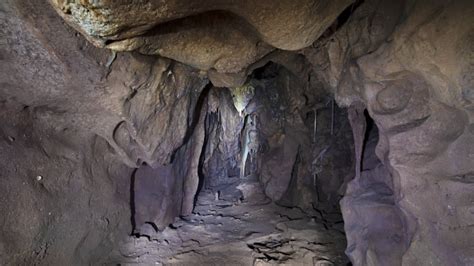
(227, 231)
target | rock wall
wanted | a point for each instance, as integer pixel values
(305, 150)
(76, 121)
(415, 85)
(418, 99)
(199, 40)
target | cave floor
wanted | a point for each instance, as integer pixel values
(252, 232)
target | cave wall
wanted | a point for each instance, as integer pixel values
(76, 121)
(54, 170)
(418, 99)
(301, 162)
(220, 160)
(416, 87)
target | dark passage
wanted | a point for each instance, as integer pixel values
(275, 157)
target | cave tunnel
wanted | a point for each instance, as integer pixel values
(274, 155)
(308, 132)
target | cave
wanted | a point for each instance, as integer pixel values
(308, 132)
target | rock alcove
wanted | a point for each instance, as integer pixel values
(307, 132)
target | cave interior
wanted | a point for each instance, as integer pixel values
(308, 132)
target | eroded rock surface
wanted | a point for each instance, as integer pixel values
(252, 232)
(414, 89)
(224, 35)
(74, 120)
(427, 128)
(97, 145)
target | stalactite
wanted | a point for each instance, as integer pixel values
(241, 97)
(315, 126)
(111, 59)
(249, 142)
(332, 117)
(317, 160)
(358, 124)
(245, 145)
